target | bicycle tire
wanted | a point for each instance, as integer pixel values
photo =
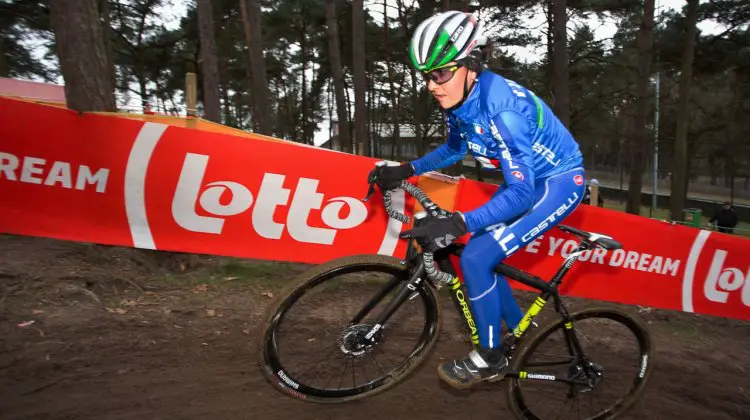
(268, 358)
(646, 348)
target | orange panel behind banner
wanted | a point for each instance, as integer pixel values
(122, 181)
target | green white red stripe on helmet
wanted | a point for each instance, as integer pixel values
(443, 38)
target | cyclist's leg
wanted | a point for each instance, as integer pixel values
(490, 295)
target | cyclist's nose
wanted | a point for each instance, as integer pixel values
(432, 86)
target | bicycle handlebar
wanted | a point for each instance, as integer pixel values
(433, 272)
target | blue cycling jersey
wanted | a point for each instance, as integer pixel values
(506, 127)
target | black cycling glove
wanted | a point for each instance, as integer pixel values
(390, 177)
(437, 233)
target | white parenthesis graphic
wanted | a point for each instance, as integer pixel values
(390, 240)
(688, 277)
(357, 213)
(135, 184)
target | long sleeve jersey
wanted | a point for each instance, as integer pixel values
(506, 127)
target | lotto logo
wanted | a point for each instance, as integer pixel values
(578, 179)
(271, 194)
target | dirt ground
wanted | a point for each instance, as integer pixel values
(129, 334)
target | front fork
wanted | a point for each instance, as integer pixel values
(408, 288)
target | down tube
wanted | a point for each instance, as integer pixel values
(458, 294)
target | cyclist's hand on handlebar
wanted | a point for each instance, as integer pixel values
(437, 233)
(390, 177)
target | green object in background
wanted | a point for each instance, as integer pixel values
(692, 217)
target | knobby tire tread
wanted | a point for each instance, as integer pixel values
(532, 341)
(311, 274)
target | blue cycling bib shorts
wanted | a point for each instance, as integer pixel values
(508, 128)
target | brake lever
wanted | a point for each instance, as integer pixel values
(370, 192)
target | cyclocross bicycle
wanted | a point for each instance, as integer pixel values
(556, 361)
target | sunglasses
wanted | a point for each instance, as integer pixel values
(441, 75)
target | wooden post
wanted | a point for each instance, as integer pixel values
(191, 90)
(594, 195)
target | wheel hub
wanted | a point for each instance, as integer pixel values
(353, 340)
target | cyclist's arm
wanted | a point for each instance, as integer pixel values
(445, 155)
(517, 165)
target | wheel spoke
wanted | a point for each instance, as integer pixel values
(612, 377)
(306, 319)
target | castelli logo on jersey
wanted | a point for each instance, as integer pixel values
(301, 202)
(578, 179)
(517, 174)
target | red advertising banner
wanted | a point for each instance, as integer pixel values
(124, 182)
(121, 181)
(660, 264)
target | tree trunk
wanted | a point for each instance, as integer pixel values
(4, 67)
(104, 12)
(680, 155)
(338, 76)
(394, 97)
(303, 57)
(250, 10)
(79, 39)
(228, 120)
(209, 56)
(548, 69)
(734, 127)
(446, 5)
(637, 157)
(560, 63)
(360, 78)
(420, 140)
(349, 116)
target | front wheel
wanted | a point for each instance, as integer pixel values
(314, 343)
(600, 378)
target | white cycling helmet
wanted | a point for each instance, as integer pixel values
(445, 37)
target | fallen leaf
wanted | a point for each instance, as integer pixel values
(26, 323)
(37, 311)
(211, 312)
(268, 294)
(246, 331)
(201, 288)
(230, 278)
(129, 302)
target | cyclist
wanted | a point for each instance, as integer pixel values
(507, 128)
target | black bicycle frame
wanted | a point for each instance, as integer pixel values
(418, 279)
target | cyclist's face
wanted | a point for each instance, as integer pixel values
(450, 92)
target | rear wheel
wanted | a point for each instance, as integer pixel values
(613, 368)
(313, 342)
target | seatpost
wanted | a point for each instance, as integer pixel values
(568, 263)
